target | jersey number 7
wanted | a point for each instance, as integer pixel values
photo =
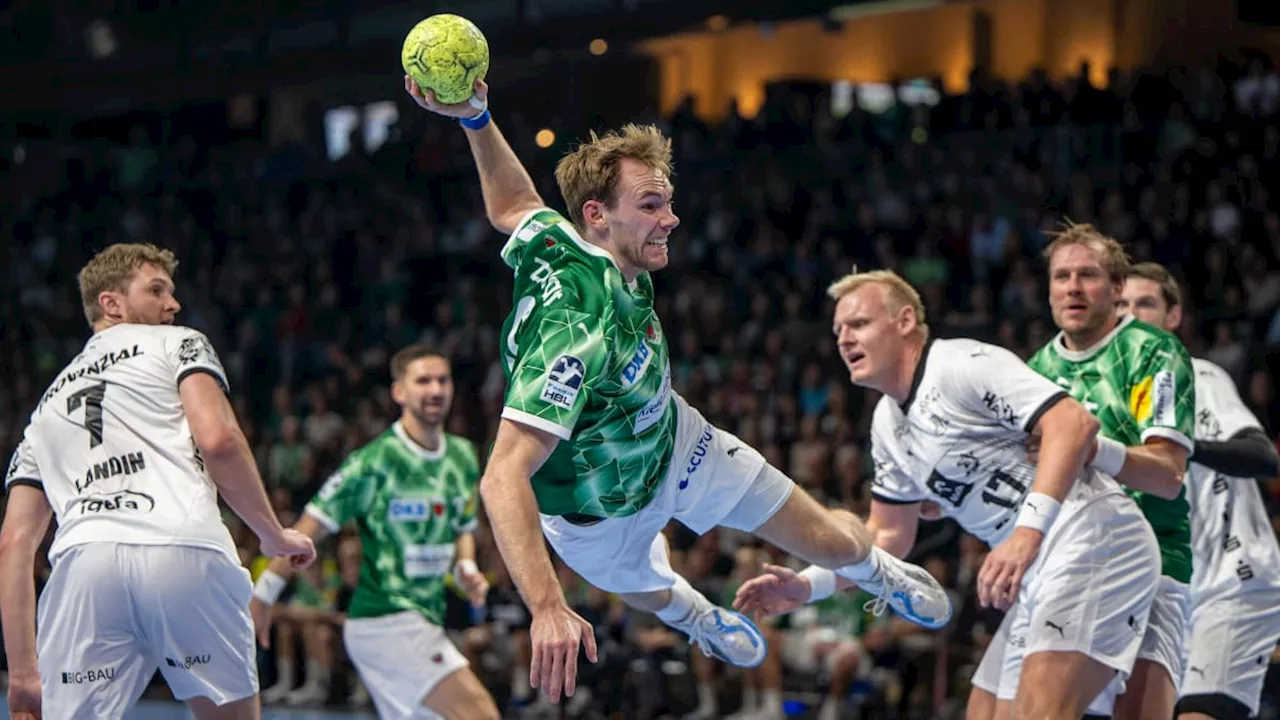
(91, 397)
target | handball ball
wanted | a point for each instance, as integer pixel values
(446, 54)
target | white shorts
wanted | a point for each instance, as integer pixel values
(401, 659)
(1167, 630)
(714, 479)
(112, 613)
(1230, 646)
(1090, 592)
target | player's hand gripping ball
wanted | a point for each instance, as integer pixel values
(446, 54)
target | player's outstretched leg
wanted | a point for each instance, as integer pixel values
(720, 633)
(839, 541)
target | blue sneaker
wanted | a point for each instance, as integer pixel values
(729, 636)
(910, 590)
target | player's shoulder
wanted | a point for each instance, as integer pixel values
(1208, 368)
(1133, 332)
(462, 447)
(543, 237)
(964, 350)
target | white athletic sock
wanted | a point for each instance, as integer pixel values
(869, 569)
(830, 709)
(284, 673)
(686, 604)
(520, 689)
(708, 703)
(750, 699)
(317, 675)
(771, 699)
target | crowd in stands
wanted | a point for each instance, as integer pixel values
(308, 273)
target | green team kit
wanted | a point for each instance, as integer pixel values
(409, 505)
(1139, 383)
(586, 360)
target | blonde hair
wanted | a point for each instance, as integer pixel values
(898, 293)
(591, 171)
(1156, 273)
(1114, 258)
(112, 269)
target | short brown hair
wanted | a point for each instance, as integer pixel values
(113, 269)
(591, 171)
(1114, 258)
(400, 361)
(898, 292)
(1156, 273)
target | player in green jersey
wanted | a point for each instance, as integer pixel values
(595, 451)
(1138, 381)
(412, 492)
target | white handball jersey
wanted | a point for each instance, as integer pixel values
(111, 447)
(1233, 545)
(960, 438)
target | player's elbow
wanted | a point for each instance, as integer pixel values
(1171, 478)
(218, 440)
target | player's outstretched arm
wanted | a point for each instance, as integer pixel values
(509, 192)
(272, 582)
(1065, 433)
(230, 463)
(507, 490)
(26, 519)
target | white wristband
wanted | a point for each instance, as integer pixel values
(465, 565)
(1109, 456)
(269, 587)
(1038, 512)
(822, 582)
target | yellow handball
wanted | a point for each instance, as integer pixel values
(446, 54)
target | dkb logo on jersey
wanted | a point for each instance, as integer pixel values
(413, 510)
(639, 362)
(564, 381)
(695, 460)
(124, 501)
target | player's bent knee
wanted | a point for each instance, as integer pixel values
(1058, 684)
(1218, 706)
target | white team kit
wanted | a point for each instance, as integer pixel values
(145, 573)
(960, 440)
(1235, 582)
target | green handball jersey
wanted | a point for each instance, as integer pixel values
(1139, 383)
(409, 505)
(586, 360)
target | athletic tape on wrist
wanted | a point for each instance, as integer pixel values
(822, 582)
(1109, 457)
(464, 565)
(1038, 512)
(476, 122)
(269, 587)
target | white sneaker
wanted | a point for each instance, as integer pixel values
(276, 693)
(910, 590)
(729, 636)
(307, 694)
